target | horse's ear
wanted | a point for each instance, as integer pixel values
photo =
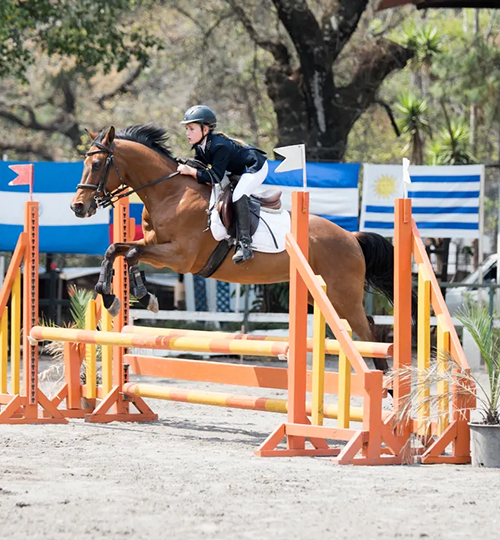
(91, 134)
(110, 137)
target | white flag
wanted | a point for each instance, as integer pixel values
(406, 171)
(406, 177)
(294, 157)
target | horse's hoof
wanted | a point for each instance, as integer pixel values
(103, 288)
(153, 303)
(115, 307)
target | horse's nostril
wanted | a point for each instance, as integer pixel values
(77, 208)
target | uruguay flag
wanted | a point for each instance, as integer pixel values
(60, 231)
(332, 187)
(447, 201)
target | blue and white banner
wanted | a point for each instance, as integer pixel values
(446, 200)
(60, 231)
(332, 187)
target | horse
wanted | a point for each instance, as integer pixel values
(176, 236)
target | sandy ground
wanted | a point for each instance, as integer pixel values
(193, 475)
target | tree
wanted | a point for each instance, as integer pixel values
(88, 32)
(54, 48)
(425, 42)
(315, 101)
(413, 122)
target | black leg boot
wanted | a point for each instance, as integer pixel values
(243, 251)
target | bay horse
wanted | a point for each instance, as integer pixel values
(174, 222)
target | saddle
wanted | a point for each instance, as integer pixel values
(271, 199)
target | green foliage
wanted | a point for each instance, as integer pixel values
(462, 385)
(89, 32)
(412, 110)
(452, 146)
(477, 321)
(413, 123)
(79, 300)
(425, 41)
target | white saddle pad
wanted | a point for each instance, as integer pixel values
(262, 240)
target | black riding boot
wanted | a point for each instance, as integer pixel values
(243, 251)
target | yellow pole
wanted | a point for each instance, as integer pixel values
(443, 349)
(90, 353)
(318, 366)
(106, 354)
(424, 345)
(344, 385)
(15, 335)
(3, 351)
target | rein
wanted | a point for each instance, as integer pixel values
(103, 198)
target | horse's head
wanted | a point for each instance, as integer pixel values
(100, 175)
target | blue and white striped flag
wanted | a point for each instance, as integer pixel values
(332, 187)
(60, 231)
(446, 200)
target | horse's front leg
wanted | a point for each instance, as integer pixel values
(105, 281)
(171, 255)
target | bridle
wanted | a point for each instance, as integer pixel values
(102, 197)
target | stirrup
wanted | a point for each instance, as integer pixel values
(242, 254)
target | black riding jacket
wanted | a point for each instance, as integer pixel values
(224, 154)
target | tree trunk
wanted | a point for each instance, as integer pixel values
(309, 106)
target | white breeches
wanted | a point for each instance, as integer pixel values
(249, 182)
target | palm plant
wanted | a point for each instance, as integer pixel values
(462, 384)
(425, 42)
(413, 122)
(452, 146)
(79, 300)
(478, 322)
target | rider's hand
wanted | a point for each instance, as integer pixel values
(187, 170)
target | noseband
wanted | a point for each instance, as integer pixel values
(102, 197)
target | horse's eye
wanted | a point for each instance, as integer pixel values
(96, 165)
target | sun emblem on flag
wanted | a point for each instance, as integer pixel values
(385, 187)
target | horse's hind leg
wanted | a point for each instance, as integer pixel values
(138, 282)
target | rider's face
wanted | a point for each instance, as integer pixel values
(195, 132)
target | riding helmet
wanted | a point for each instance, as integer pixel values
(201, 114)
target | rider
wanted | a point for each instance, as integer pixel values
(224, 154)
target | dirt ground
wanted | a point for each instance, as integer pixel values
(193, 475)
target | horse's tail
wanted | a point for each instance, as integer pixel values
(379, 260)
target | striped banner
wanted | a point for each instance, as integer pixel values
(333, 192)
(446, 200)
(60, 231)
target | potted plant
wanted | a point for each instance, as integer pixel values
(485, 433)
(484, 387)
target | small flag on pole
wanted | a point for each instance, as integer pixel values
(295, 158)
(25, 176)
(406, 176)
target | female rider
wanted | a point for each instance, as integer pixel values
(224, 154)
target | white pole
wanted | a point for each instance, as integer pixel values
(304, 175)
(481, 228)
(406, 177)
(237, 298)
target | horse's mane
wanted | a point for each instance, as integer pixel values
(151, 135)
